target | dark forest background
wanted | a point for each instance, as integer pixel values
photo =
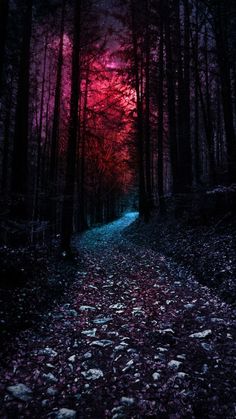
(113, 105)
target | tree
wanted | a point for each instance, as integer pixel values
(20, 146)
(4, 13)
(68, 200)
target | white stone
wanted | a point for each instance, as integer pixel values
(181, 375)
(174, 364)
(66, 414)
(91, 333)
(87, 308)
(117, 306)
(128, 401)
(93, 374)
(200, 335)
(102, 320)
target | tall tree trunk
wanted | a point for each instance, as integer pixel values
(83, 225)
(56, 127)
(57, 102)
(186, 150)
(4, 12)
(20, 145)
(210, 133)
(6, 138)
(195, 44)
(160, 129)
(149, 202)
(68, 200)
(221, 29)
(39, 136)
(171, 100)
(138, 90)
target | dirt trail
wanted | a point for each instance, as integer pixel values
(133, 340)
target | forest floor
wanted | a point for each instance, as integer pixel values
(132, 337)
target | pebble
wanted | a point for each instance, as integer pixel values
(72, 313)
(47, 351)
(93, 374)
(200, 335)
(66, 414)
(91, 333)
(21, 392)
(127, 401)
(102, 343)
(156, 376)
(50, 378)
(87, 308)
(174, 364)
(117, 306)
(51, 391)
(87, 355)
(181, 375)
(102, 320)
(206, 346)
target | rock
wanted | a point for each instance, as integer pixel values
(21, 392)
(50, 366)
(182, 357)
(189, 306)
(121, 347)
(51, 391)
(127, 401)
(206, 346)
(168, 331)
(91, 333)
(102, 320)
(160, 349)
(87, 355)
(205, 369)
(137, 311)
(93, 374)
(201, 335)
(50, 378)
(72, 358)
(118, 416)
(66, 414)
(156, 376)
(117, 306)
(102, 343)
(47, 351)
(128, 365)
(217, 320)
(87, 308)
(118, 410)
(181, 375)
(174, 364)
(72, 313)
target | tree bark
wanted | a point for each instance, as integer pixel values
(19, 183)
(68, 200)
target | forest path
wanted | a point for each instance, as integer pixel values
(132, 340)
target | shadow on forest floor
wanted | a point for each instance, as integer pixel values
(207, 251)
